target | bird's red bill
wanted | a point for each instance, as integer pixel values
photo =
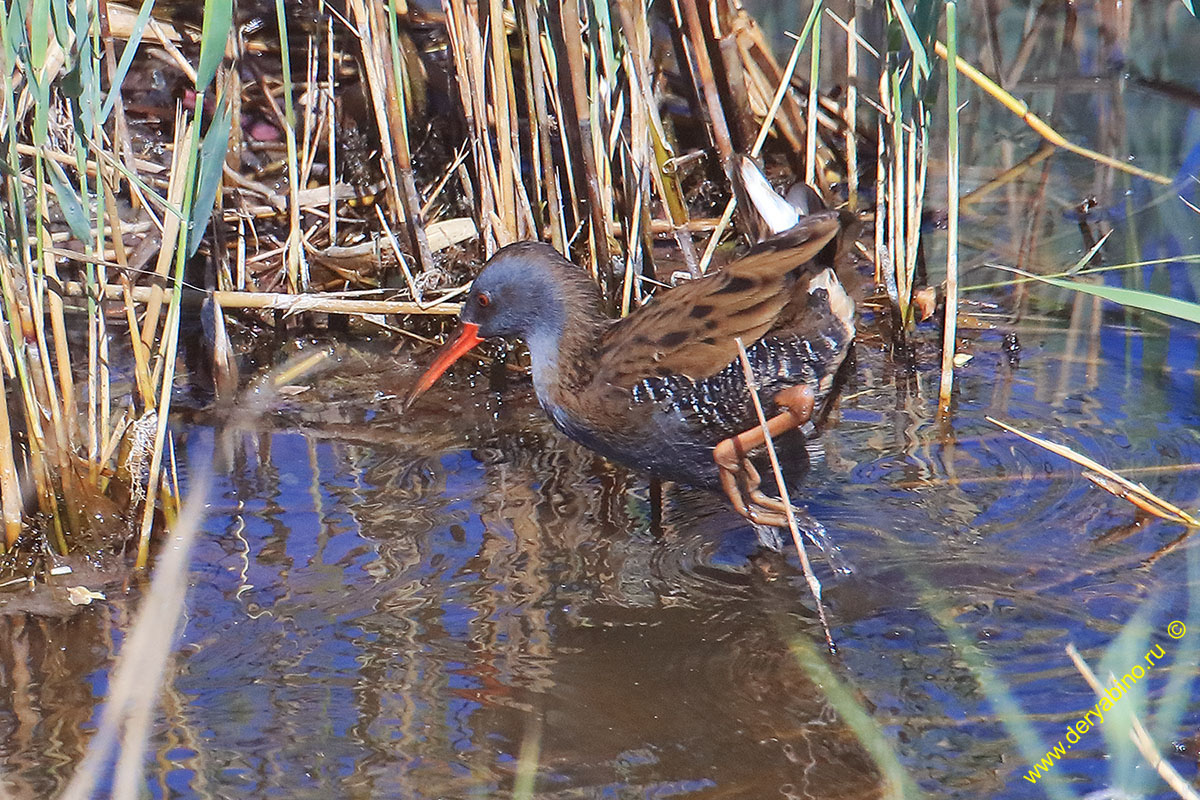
(467, 338)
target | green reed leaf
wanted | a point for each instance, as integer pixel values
(218, 18)
(920, 57)
(1133, 298)
(69, 202)
(131, 48)
(208, 180)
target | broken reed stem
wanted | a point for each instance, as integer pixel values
(814, 585)
(1040, 127)
(1175, 513)
(1137, 733)
(950, 335)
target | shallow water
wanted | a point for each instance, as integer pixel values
(448, 602)
(414, 605)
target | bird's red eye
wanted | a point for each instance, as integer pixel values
(483, 300)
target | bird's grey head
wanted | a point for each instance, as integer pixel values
(528, 290)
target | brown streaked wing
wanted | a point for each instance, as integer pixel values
(692, 329)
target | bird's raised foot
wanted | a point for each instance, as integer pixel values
(739, 478)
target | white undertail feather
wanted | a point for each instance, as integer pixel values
(776, 212)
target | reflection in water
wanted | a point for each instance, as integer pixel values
(416, 621)
(393, 605)
(50, 699)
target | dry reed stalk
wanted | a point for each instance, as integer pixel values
(313, 120)
(737, 80)
(58, 396)
(297, 267)
(99, 378)
(330, 107)
(141, 353)
(888, 164)
(524, 225)
(638, 247)
(814, 585)
(781, 91)
(546, 170)
(170, 229)
(852, 108)
(164, 370)
(462, 22)
(399, 95)
(657, 160)
(577, 118)
(927, 483)
(161, 411)
(278, 301)
(363, 21)
(918, 171)
(1137, 734)
(16, 361)
(762, 75)
(10, 488)
(689, 18)
(58, 478)
(1041, 128)
(950, 333)
(58, 331)
(503, 115)
(903, 167)
(569, 195)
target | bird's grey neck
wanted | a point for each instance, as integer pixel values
(544, 360)
(553, 344)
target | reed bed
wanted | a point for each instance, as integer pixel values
(153, 164)
(361, 160)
